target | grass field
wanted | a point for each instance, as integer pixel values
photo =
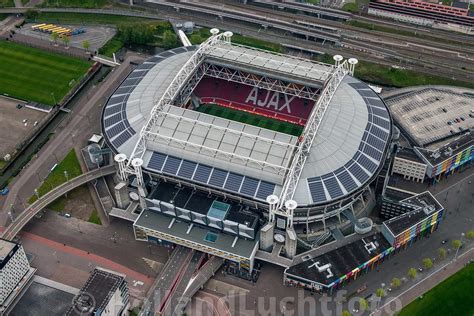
(454, 296)
(57, 177)
(251, 119)
(35, 75)
(86, 18)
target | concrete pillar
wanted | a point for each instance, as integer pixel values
(120, 160)
(290, 242)
(121, 195)
(272, 201)
(266, 236)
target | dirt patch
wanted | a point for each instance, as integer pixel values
(78, 203)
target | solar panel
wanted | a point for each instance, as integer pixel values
(187, 169)
(218, 177)
(202, 173)
(378, 132)
(367, 163)
(358, 85)
(367, 93)
(117, 129)
(113, 120)
(333, 187)
(376, 102)
(233, 182)
(380, 112)
(121, 139)
(265, 189)
(358, 173)
(249, 186)
(172, 165)
(112, 110)
(376, 142)
(117, 98)
(156, 161)
(372, 152)
(317, 191)
(381, 122)
(131, 82)
(347, 181)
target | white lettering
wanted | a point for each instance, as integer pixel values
(287, 103)
(252, 96)
(274, 101)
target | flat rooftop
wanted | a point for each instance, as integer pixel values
(196, 234)
(430, 114)
(6, 248)
(101, 285)
(437, 156)
(408, 154)
(427, 205)
(41, 299)
(341, 260)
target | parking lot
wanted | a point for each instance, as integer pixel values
(96, 35)
(12, 128)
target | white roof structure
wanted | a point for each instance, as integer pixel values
(222, 143)
(304, 70)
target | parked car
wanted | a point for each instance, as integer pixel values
(4, 191)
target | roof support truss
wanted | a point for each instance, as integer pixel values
(309, 133)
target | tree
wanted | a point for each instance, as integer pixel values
(346, 313)
(66, 41)
(31, 14)
(380, 292)
(456, 244)
(86, 45)
(396, 282)
(54, 37)
(412, 273)
(363, 305)
(442, 253)
(427, 263)
(169, 40)
(470, 234)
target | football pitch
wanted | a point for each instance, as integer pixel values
(34, 75)
(251, 119)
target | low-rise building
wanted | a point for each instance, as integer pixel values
(104, 294)
(409, 165)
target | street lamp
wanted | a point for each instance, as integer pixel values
(66, 175)
(54, 98)
(457, 250)
(37, 194)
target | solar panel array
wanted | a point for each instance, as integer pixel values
(115, 121)
(216, 177)
(365, 161)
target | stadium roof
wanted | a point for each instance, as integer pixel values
(251, 161)
(222, 143)
(301, 70)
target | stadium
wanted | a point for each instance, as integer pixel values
(207, 133)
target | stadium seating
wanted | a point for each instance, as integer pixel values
(244, 98)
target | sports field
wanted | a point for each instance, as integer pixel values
(34, 75)
(251, 119)
(454, 296)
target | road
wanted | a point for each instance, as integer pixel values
(26, 215)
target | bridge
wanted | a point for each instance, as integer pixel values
(24, 217)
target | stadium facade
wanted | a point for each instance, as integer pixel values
(212, 181)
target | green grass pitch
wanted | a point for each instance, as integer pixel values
(252, 119)
(34, 75)
(454, 296)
